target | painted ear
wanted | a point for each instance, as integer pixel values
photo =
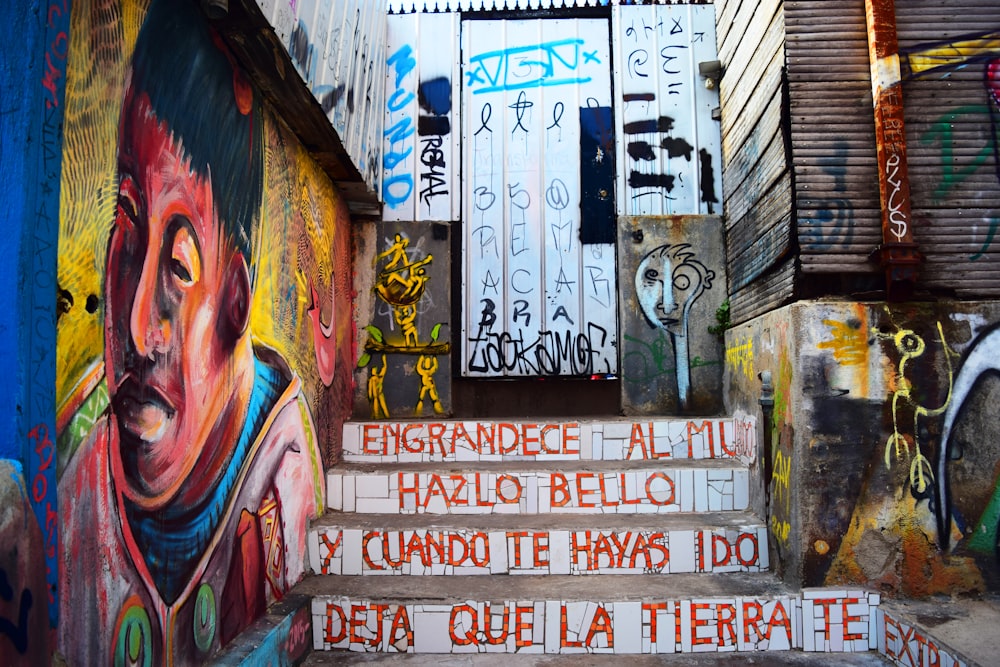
(235, 315)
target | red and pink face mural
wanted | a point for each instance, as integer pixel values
(202, 258)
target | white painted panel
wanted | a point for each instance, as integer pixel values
(438, 130)
(421, 167)
(484, 239)
(663, 109)
(524, 156)
(708, 137)
(424, 185)
(399, 157)
(530, 296)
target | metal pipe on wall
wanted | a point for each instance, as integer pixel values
(898, 253)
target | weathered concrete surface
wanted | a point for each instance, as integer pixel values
(319, 658)
(861, 485)
(548, 587)
(672, 279)
(24, 634)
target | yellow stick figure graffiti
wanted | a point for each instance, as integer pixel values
(376, 396)
(426, 367)
(911, 346)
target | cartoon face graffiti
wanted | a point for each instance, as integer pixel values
(668, 281)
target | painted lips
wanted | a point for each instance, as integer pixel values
(142, 411)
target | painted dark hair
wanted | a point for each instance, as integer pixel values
(209, 107)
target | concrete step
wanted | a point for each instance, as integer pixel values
(554, 440)
(941, 631)
(578, 544)
(540, 487)
(728, 659)
(598, 615)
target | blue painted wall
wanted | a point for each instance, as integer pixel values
(31, 112)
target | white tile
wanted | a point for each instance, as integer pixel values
(597, 446)
(627, 619)
(350, 500)
(682, 551)
(379, 506)
(553, 612)
(621, 430)
(874, 632)
(372, 486)
(586, 444)
(318, 632)
(559, 552)
(352, 438)
(684, 489)
(700, 479)
(352, 560)
(312, 539)
(335, 491)
(431, 632)
(684, 609)
(808, 625)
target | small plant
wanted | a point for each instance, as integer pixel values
(722, 319)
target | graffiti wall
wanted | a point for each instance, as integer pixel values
(404, 363)
(880, 450)
(204, 283)
(673, 279)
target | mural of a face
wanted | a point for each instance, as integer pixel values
(174, 289)
(667, 282)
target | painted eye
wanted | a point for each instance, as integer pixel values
(651, 274)
(178, 269)
(681, 281)
(127, 213)
(185, 258)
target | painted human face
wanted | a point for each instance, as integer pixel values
(665, 286)
(166, 361)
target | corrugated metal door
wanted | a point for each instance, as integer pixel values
(538, 278)
(669, 151)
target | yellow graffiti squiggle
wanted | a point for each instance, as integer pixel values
(741, 357)
(849, 344)
(911, 346)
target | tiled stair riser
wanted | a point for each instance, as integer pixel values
(654, 490)
(846, 622)
(906, 645)
(481, 552)
(411, 442)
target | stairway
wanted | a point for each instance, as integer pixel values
(617, 537)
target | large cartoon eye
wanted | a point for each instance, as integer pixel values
(681, 281)
(651, 274)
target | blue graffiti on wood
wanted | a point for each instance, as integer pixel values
(397, 187)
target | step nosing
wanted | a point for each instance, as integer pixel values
(605, 466)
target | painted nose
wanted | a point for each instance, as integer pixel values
(148, 329)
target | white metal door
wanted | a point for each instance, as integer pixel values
(539, 285)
